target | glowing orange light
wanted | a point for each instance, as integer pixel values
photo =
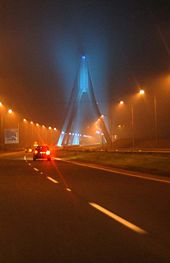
(141, 92)
(121, 102)
(55, 129)
(1, 104)
(37, 124)
(24, 120)
(31, 122)
(10, 111)
(49, 128)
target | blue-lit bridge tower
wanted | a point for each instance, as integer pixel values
(82, 91)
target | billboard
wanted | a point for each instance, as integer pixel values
(11, 136)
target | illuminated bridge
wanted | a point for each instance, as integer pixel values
(82, 109)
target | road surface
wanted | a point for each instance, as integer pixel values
(61, 212)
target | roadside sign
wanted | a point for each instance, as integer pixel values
(11, 136)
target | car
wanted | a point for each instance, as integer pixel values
(41, 152)
(28, 150)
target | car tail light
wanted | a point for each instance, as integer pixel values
(35, 151)
(48, 152)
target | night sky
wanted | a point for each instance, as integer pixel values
(126, 42)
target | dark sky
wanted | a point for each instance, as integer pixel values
(41, 42)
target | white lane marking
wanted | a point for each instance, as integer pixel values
(35, 169)
(68, 189)
(118, 218)
(52, 180)
(127, 173)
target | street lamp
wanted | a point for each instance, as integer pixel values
(25, 132)
(10, 111)
(141, 92)
(32, 133)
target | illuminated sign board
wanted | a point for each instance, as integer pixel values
(11, 136)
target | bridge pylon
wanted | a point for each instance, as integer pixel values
(83, 87)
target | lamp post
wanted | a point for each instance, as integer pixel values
(132, 123)
(155, 120)
(141, 92)
(32, 126)
(132, 126)
(38, 138)
(1, 125)
(25, 139)
(43, 133)
(55, 135)
(50, 134)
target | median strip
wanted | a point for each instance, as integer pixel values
(118, 219)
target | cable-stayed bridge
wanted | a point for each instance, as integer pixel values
(82, 108)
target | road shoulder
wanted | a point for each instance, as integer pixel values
(145, 176)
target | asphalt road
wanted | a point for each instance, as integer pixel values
(61, 212)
